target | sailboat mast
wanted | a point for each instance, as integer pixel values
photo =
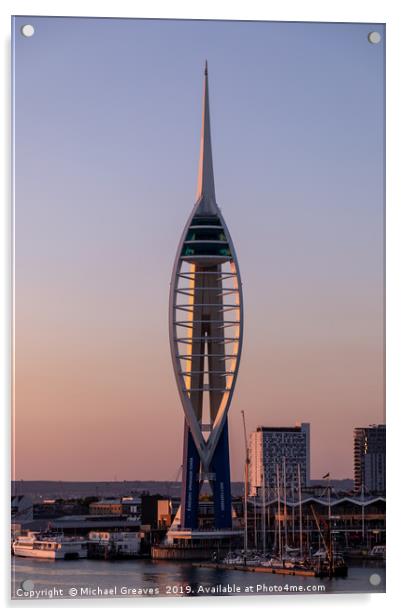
(278, 488)
(285, 508)
(263, 511)
(362, 499)
(300, 512)
(293, 508)
(330, 550)
(246, 473)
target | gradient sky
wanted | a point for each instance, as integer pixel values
(107, 127)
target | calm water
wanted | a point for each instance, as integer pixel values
(131, 578)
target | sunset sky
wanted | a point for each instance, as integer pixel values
(107, 129)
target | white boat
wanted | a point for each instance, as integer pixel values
(284, 563)
(378, 551)
(253, 560)
(320, 554)
(241, 559)
(278, 563)
(272, 562)
(233, 559)
(51, 547)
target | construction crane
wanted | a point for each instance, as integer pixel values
(179, 470)
(176, 479)
(246, 467)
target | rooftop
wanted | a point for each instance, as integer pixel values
(280, 428)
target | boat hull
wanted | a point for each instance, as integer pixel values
(49, 554)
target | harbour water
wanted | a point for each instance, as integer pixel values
(40, 579)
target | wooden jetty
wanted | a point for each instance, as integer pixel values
(259, 569)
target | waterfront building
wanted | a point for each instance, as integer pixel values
(109, 544)
(355, 522)
(279, 451)
(157, 511)
(132, 506)
(110, 506)
(369, 459)
(205, 326)
(126, 505)
(164, 513)
(83, 524)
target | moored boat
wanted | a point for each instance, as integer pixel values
(48, 546)
(378, 552)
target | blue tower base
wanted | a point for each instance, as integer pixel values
(220, 485)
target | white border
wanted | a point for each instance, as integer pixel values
(387, 11)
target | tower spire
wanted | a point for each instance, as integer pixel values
(206, 185)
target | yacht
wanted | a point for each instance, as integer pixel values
(51, 547)
(241, 559)
(378, 551)
(272, 562)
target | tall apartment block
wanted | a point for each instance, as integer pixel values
(279, 451)
(369, 458)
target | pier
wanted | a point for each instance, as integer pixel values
(173, 552)
(259, 569)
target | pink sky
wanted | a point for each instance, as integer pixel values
(105, 180)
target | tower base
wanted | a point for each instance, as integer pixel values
(189, 544)
(198, 544)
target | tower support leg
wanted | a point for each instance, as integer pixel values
(220, 466)
(190, 483)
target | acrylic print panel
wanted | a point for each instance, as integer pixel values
(199, 287)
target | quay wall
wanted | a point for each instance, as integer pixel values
(180, 553)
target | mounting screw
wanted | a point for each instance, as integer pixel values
(374, 37)
(27, 30)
